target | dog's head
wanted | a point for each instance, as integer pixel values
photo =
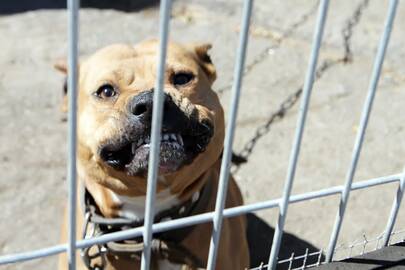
(116, 86)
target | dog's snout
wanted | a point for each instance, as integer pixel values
(141, 107)
(142, 104)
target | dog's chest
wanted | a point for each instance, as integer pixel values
(134, 207)
(166, 265)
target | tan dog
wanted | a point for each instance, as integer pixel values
(114, 121)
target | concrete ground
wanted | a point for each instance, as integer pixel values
(33, 137)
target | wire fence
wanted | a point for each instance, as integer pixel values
(217, 216)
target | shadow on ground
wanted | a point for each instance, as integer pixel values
(391, 257)
(260, 237)
(11, 6)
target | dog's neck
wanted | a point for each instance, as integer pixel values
(112, 204)
(134, 207)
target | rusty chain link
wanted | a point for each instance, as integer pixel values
(347, 31)
(291, 100)
(266, 51)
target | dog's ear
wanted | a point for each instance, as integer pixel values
(204, 59)
(61, 65)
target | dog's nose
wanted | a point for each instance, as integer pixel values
(142, 104)
(141, 107)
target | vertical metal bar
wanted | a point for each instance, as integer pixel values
(365, 242)
(73, 16)
(319, 258)
(230, 131)
(363, 126)
(394, 210)
(154, 153)
(291, 261)
(378, 243)
(309, 81)
(350, 251)
(304, 263)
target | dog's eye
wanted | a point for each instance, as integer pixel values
(182, 78)
(106, 91)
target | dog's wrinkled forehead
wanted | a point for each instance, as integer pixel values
(126, 64)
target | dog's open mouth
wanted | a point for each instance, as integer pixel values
(176, 149)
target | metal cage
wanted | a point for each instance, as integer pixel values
(217, 216)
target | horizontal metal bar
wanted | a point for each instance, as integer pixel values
(234, 211)
(194, 220)
(32, 255)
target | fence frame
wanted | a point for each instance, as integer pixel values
(219, 213)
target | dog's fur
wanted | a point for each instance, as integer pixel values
(104, 122)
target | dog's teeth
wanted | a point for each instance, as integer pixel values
(165, 137)
(173, 137)
(195, 197)
(180, 139)
(133, 148)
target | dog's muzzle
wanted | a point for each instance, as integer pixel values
(183, 137)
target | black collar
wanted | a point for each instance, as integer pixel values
(167, 242)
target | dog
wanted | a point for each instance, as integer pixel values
(115, 99)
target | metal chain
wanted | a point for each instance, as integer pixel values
(347, 31)
(291, 100)
(265, 128)
(267, 51)
(93, 260)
